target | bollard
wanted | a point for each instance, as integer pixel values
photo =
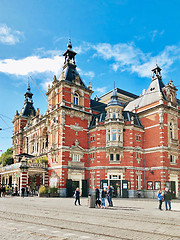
(92, 200)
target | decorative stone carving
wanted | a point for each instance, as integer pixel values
(76, 128)
(53, 180)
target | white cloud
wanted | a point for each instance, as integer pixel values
(89, 74)
(156, 33)
(9, 36)
(46, 84)
(83, 48)
(32, 64)
(100, 90)
(127, 57)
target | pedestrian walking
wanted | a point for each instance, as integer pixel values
(0, 190)
(160, 199)
(98, 201)
(3, 191)
(22, 191)
(109, 196)
(103, 196)
(167, 198)
(77, 196)
(27, 190)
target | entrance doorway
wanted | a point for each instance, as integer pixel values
(75, 184)
(173, 189)
(116, 184)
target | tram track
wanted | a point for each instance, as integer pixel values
(80, 226)
(116, 215)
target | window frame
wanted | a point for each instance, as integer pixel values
(76, 98)
(156, 184)
(149, 187)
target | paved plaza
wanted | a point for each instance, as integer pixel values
(58, 218)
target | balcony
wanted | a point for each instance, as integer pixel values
(114, 144)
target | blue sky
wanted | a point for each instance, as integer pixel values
(116, 40)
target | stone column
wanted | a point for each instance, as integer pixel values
(43, 178)
(23, 180)
(46, 179)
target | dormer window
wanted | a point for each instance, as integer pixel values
(76, 99)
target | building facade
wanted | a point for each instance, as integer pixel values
(130, 142)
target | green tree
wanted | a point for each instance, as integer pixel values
(7, 157)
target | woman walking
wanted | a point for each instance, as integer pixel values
(160, 199)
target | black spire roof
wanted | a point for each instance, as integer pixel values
(69, 69)
(28, 108)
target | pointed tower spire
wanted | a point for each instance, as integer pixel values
(156, 72)
(28, 95)
(69, 45)
(69, 54)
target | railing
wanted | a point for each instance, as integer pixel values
(10, 167)
(25, 164)
(114, 144)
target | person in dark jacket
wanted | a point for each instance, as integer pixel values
(77, 196)
(3, 191)
(97, 193)
(22, 191)
(109, 196)
(98, 201)
(167, 198)
(103, 196)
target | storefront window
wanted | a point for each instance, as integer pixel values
(157, 185)
(149, 185)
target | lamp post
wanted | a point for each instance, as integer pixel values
(152, 172)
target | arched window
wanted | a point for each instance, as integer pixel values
(76, 99)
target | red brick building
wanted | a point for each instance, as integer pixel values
(120, 139)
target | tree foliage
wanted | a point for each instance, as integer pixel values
(41, 160)
(7, 157)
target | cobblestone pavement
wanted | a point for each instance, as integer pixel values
(58, 218)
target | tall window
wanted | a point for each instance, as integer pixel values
(108, 135)
(113, 134)
(76, 99)
(172, 159)
(114, 115)
(53, 98)
(111, 157)
(138, 179)
(76, 158)
(171, 129)
(119, 135)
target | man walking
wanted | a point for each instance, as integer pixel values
(77, 196)
(167, 198)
